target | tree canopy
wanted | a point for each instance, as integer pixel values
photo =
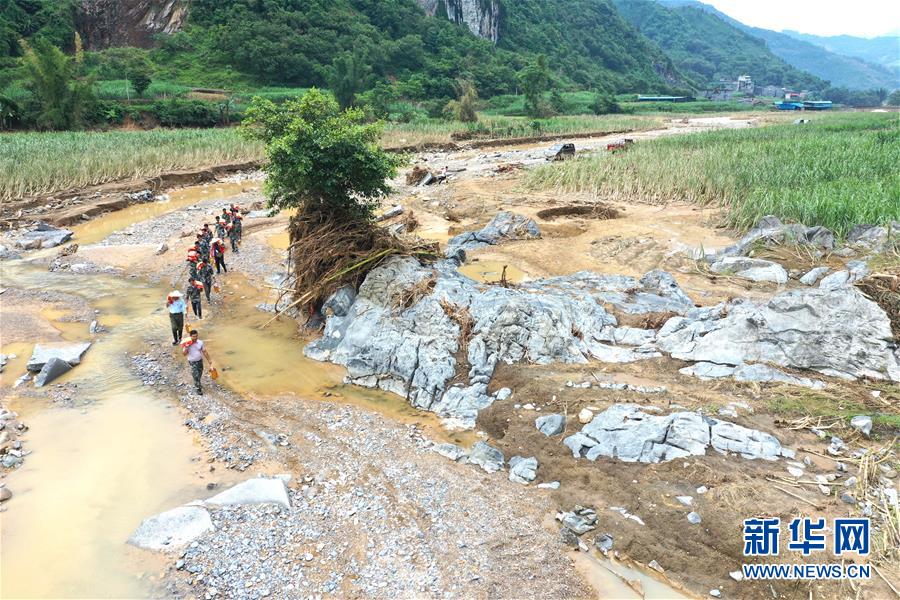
(321, 158)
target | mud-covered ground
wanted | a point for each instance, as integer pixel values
(375, 512)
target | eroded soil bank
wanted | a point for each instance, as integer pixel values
(374, 510)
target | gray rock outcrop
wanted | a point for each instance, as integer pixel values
(70, 353)
(874, 238)
(837, 332)
(504, 227)
(813, 276)
(748, 373)
(482, 17)
(625, 432)
(413, 351)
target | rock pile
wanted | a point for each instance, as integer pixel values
(625, 432)
(43, 236)
(413, 351)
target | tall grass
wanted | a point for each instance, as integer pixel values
(434, 131)
(838, 171)
(44, 163)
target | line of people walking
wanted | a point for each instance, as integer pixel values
(208, 249)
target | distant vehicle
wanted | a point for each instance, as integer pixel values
(817, 105)
(561, 152)
(618, 145)
(786, 105)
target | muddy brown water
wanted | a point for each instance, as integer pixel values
(95, 470)
(98, 229)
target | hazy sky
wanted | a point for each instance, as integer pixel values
(864, 18)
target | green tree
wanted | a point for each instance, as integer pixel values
(62, 98)
(535, 79)
(379, 99)
(464, 108)
(604, 104)
(894, 98)
(321, 159)
(140, 81)
(348, 75)
(557, 102)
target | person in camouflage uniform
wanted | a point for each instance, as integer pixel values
(194, 293)
(233, 236)
(220, 228)
(218, 254)
(237, 221)
(205, 274)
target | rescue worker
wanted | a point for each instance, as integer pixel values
(202, 247)
(207, 233)
(218, 254)
(194, 294)
(205, 274)
(238, 223)
(226, 216)
(192, 264)
(195, 351)
(220, 228)
(177, 309)
(232, 235)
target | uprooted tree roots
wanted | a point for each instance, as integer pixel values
(327, 253)
(884, 288)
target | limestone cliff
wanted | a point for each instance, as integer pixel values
(110, 23)
(482, 17)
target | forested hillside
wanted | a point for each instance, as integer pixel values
(363, 42)
(883, 50)
(830, 62)
(706, 48)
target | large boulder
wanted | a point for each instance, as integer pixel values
(54, 368)
(486, 456)
(260, 490)
(172, 529)
(874, 238)
(69, 352)
(625, 432)
(522, 470)
(755, 269)
(550, 425)
(504, 227)
(771, 231)
(837, 332)
(43, 236)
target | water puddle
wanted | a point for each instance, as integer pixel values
(491, 271)
(266, 362)
(280, 241)
(613, 579)
(102, 227)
